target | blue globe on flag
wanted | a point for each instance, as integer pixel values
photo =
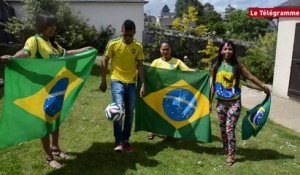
(179, 104)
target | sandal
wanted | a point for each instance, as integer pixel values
(53, 163)
(57, 152)
(151, 136)
(230, 161)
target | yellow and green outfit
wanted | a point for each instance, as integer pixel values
(37, 47)
(173, 64)
(228, 95)
(124, 58)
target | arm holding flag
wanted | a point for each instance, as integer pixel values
(254, 79)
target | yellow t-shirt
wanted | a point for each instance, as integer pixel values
(37, 47)
(173, 63)
(124, 58)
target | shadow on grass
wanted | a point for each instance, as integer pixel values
(96, 70)
(260, 154)
(243, 154)
(101, 159)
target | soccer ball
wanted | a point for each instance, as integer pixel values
(114, 112)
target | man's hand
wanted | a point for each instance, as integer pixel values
(103, 86)
(142, 90)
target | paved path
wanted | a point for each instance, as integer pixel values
(285, 112)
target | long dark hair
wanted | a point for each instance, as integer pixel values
(233, 61)
(43, 21)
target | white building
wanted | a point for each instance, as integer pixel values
(286, 82)
(104, 12)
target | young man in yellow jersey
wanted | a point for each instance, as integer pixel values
(126, 56)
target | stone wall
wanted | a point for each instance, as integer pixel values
(184, 45)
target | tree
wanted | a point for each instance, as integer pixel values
(210, 53)
(177, 24)
(241, 26)
(189, 18)
(200, 30)
(182, 6)
(164, 10)
(260, 57)
(208, 7)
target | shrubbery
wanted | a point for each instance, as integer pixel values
(260, 57)
(72, 30)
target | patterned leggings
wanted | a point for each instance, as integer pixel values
(228, 114)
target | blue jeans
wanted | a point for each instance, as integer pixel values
(123, 93)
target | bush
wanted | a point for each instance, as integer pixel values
(260, 58)
(72, 30)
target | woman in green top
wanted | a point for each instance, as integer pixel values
(43, 46)
(226, 85)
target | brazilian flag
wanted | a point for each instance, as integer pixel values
(39, 93)
(176, 104)
(256, 118)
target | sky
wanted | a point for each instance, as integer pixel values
(153, 7)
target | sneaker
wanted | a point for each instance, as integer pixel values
(119, 148)
(128, 148)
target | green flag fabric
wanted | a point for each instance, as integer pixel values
(176, 104)
(39, 93)
(256, 118)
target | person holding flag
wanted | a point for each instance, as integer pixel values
(43, 46)
(226, 85)
(166, 61)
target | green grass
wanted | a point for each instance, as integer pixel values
(88, 136)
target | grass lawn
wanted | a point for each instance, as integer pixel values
(88, 136)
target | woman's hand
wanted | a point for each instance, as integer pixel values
(5, 58)
(87, 48)
(266, 89)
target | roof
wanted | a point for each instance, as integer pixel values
(290, 3)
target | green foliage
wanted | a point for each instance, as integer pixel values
(260, 58)
(208, 7)
(72, 30)
(240, 26)
(210, 53)
(200, 30)
(182, 6)
(189, 18)
(213, 21)
(177, 24)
